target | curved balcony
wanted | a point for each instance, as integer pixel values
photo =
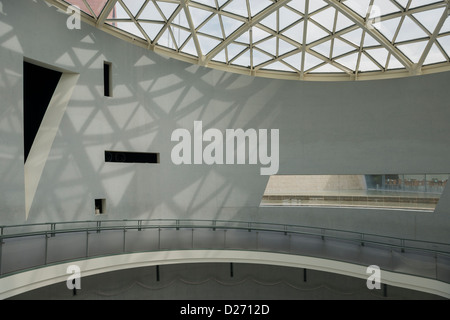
(106, 245)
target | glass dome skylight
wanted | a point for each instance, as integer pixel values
(292, 39)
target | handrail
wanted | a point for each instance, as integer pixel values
(229, 224)
(436, 251)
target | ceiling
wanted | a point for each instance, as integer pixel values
(327, 40)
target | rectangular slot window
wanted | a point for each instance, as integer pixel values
(100, 206)
(107, 79)
(388, 191)
(131, 157)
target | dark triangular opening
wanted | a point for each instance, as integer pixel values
(39, 84)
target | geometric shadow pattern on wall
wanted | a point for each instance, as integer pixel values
(46, 95)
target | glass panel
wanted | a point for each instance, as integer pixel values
(325, 18)
(388, 191)
(434, 56)
(413, 50)
(359, 6)
(409, 31)
(97, 5)
(257, 6)
(150, 12)
(133, 5)
(430, 18)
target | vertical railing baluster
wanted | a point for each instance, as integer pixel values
(1, 251)
(46, 248)
(87, 243)
(124, 236)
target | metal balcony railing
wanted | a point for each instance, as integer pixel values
(25, 247)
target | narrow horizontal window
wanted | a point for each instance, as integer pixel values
(389, 191)
(131, 157)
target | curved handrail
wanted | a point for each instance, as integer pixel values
(227, 224)
(48, 230)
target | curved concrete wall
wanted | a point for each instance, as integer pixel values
(34, 279)
(383, 126)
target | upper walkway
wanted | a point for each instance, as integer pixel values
(116, 244)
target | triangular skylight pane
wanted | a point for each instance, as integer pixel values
(97, 6)
(209, 3)
(343, 22)
(238, 7)
(381, 8)
(269, 46)
(244, 38)
(151, 13)
(353, 36)
(259, 34)
(429, 19)
(256, 6)
(181, 20)
(394, 63)
(325, 18)
(243, 60)
(221, 57)
(134, 5)
(409, 31)
(180, 35)
(327, 68)
(387, 27)
(260, 57)
(233, 50)
(120, 12)
(199, 16)
(311, 61)
(287, 17)
(295, 60)
(230, 25)
(166, 40)
(413, 50)
(316, 5)
(151, 29)
(298, 5)
(361, 7)
(278, 66)
(130, 27)
(403, 3)
(323, 48)
(221, 2)
(434, 56)
(365, 64)
(445, 44)
(189, 48)
(349, 61)
(420, 3)
(207, 43)
(340, 47)
(314, 33)
(212, 27)
(369, 41)
(446, 26)
(167, 8)
(284, 47)
(295, 33)
(379, 54)
(270, 21)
